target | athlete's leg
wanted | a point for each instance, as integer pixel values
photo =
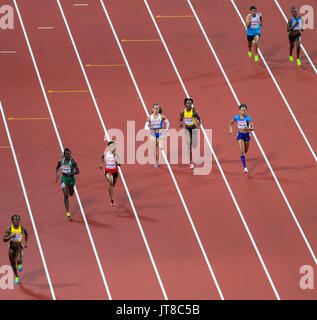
(291, 47)
(298, 43)
(154, 147)
(109, 178)
(188, 142)
(250, 45)
(65, 192)
(12, 257)
(115, 180)
(71, 190)
(19, 256)
(242, 152)
(256, 44)
(246, 146)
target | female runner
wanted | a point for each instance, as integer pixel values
(155, 123)
(253, 24)
(190, 115)
(245, 125)
(294, 27)
(69, 169)
(112, 161)
(14, 234)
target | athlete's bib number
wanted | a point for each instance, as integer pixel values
(66, 169)
(242, 124)
(17, 237)
(189, 120)
(111, 164)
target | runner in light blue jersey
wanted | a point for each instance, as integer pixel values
(253, 24)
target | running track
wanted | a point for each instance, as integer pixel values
(221, 235)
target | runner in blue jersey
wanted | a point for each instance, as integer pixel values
(253, 24)
(245, 125)
(294, 27)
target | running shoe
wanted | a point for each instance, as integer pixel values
(245, 170)
(291, 59)
(20, 267)
(16, 281)
(191, 166)
(256, 58)
(112, 204)
(68, 215)
(298, 62)
(157, 164)
(250, 54)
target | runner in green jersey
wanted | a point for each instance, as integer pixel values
(69, 169)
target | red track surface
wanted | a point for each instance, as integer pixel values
(125, 261)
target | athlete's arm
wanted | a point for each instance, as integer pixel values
(76, 169)
(302, 24)
(167, 123)
(181, 119)
(195, 112)
(230, 126)
(7, 236)
(289, 24)
(59, 163)
(26, 237)
(248, 21)
(261, 23)
(251, 126)
(147, 124)
(101, 161)
(117, 158)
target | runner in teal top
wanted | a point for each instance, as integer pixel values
(294, 27)
(69, 169)
(253, 24)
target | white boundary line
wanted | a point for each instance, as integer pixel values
(106, 133)
(285, 18)
(61, 146)
(165, 157)
(256, 139)
(279, 90)
(27, 203)
(216, 159)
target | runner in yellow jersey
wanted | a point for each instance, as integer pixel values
(192, 121)
(14, 234)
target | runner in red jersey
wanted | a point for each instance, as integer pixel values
(112, 161)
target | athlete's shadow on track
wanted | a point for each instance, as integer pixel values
(130, 215)
(266, 174)
(39, 296)
(92, 222)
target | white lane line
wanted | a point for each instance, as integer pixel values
(80, 4)
(214, 154)
(27, 203)
(307, 56)
(62, 148)
(45, 28)
(256, 139)
(7, 51)
(106, 133)
(164, 155)
(279, 90)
